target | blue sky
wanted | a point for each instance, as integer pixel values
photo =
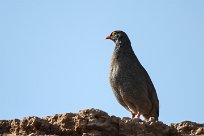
(54, 57)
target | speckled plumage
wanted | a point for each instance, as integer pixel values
(130, 82)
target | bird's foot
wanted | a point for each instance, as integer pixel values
(138, 115)
(133, 115)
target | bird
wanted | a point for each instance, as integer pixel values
(130, 82)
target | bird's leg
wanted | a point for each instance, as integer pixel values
(133, 115)
(138, 115)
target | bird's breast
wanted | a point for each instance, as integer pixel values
(116, 75)
(114, 71)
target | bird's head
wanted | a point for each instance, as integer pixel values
(118, 36)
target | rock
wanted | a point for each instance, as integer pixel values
(94, 122)
(189, 128)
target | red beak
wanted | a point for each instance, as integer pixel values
(108, 37)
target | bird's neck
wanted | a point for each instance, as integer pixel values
(123, 48)
(123, 53)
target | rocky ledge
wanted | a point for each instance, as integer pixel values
(93, 122)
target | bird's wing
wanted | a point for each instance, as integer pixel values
(139, 93)
(151, 91)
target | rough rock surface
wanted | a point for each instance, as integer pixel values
(93, 122)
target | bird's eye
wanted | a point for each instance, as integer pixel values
(113, 33)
